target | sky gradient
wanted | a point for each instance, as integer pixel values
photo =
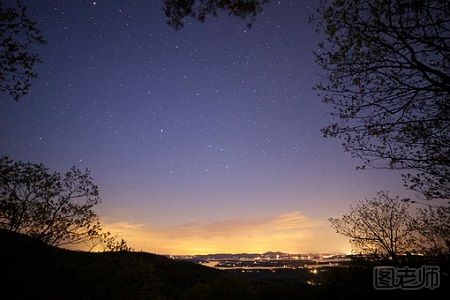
(201, 140)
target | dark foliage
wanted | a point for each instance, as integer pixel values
(378, 226)
(433, 227)
(387, 66)
(387, 226)
(178, 10)
(56, 209)
(18, 37)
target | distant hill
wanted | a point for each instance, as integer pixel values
(222, 256)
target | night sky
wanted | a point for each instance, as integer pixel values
(201, 140)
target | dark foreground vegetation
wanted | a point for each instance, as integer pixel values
(33, 270)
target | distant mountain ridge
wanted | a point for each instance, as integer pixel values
(242, 255)
(265, 255)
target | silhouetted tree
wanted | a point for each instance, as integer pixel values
(387, 66)
(108, 242)
(55, 208)
(18, 36)
(177, 10)
(433, 227)
(377, 226)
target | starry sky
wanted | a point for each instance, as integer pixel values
(201, 140)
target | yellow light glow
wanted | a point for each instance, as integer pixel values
(291, 233)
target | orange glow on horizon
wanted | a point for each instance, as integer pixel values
(290, 232)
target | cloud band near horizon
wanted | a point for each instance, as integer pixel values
(290, 232)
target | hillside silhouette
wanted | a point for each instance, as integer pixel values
(35, 270)
(38, 271)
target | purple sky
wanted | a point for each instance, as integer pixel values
(214, 128)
